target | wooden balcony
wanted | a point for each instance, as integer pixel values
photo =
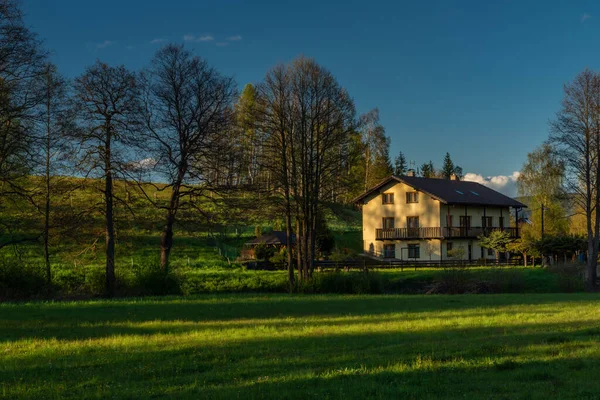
(439, 233)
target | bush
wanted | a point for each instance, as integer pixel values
(571, 276)
(263, 252)
(19, 279)
(151, 279)
(343, 283)
(501, 280)
(452, 280)
(196, 283)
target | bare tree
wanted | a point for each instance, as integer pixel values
(189, 113)
(309, 116)
(575, 135)
(52, 153)
(106, 102)
(21, 63)
(274, 98)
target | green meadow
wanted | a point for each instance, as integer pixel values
(510, 346)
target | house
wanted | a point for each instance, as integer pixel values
(275, 239)
(412, 218)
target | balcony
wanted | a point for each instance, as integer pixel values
(439, 233)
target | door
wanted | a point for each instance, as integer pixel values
(412, 225)
(389, 251)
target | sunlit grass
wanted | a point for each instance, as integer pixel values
(279, 346)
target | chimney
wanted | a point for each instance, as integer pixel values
(410, 172)
(454, 177)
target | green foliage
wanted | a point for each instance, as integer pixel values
(150, 279)
(343, 283)
(428, 170)
(541, 180)
(571, 276)
(496, 240)
(566, 245)
(257, 231)
(19, 279)
(264, 252)
(280, 257)
(400, 164)
(458, 253)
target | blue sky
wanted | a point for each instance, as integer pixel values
(479, 79)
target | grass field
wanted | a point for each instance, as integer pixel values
(535, 346)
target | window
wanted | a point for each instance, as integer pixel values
(501, 222)
(414, 251)
(490, 252)
(465, 221)
(412, 197)
(458, 191)
(389, 251)
(449, 221)
(475, 193)
(412, 222)
(388, 223)
(387, 198)
(486, 222)
(449, 247)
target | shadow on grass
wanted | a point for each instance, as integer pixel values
(105, 318)
(466, 362)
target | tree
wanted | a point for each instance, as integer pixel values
(428, 170)
(250, 141)
(400, 164)
(310, 121)
(449, 168)
(575, 137)
(53, 145)
(188, 119)
(497, 241)
(541, 180)
(523, 245)
(376, 149)
(107, 108)
(21, 64)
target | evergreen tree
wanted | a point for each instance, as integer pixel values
(400, 164)
(448, 168)
(428, 170)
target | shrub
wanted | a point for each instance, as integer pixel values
(343, 283)
(501, 281)
(280, 258)
(151, 279)
(452, 280)
(571, 276)
(19, 279)
(263, 252)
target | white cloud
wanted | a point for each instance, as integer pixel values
(505, 184)
(104, 44)
(203, 38)
(234, 38)
(157, 41)
(146, 163)
(585, 17)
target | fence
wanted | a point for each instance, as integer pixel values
(369, 263)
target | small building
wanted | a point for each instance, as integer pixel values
(276, 239)
(413, 218)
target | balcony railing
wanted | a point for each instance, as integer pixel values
(439, 233)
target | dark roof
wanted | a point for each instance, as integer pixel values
(272, 238)
(449, 191)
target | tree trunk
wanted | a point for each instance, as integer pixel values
(47, 202)
(110, 227)
(166, 239)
